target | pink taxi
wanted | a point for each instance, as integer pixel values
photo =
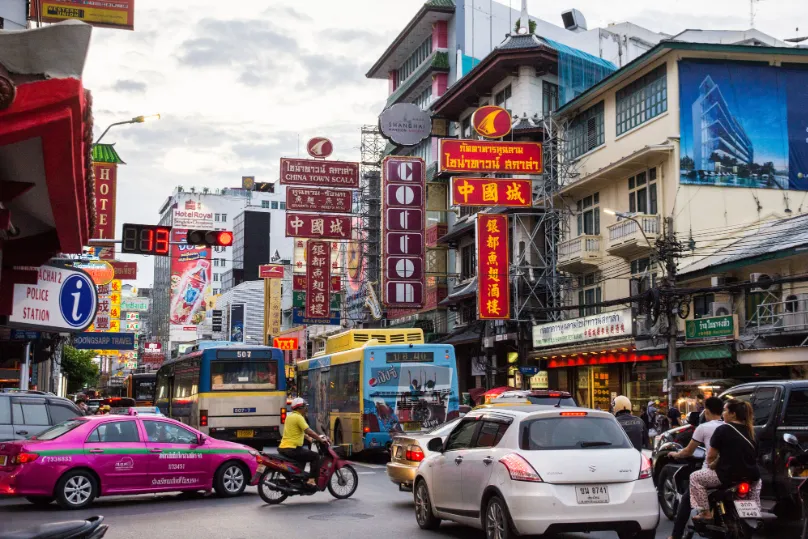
(83, 458)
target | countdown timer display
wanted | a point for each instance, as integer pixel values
(146, 239)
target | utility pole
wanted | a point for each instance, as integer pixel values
(669, 255)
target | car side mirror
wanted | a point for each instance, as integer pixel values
(435, 445)
(790, 439)
(202, 439)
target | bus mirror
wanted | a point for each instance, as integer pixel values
(435, 445)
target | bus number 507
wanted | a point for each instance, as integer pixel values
(245, 353)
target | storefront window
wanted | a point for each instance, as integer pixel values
(601, 393)
(644, 383)
(582, 386)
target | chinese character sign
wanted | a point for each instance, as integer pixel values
(492, 192)
(486, 156)
(274, 311)
(492, 267)
(302, 225)
(318, 276)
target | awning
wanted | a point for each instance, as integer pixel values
(697, 353)
(463, 337)
(461, 293)
(588, 347)
(774, 356)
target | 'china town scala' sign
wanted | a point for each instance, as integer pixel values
(318, 173)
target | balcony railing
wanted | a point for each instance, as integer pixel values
(790, 316)
(627, 240)
(580, 254)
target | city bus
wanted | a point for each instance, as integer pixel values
(140, 386)
(227, 390)
(369, 385)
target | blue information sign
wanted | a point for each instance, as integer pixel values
(24, 335)
(529, 371)
(104, 341)
(77, 300)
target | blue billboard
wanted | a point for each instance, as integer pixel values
(743, 124)
(104, 341)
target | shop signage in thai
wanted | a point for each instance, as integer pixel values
(403, 232)
(318, 173)
(319, 200)
(588, 328)
(713, 328)
(100, 271)
(319, 147)
(457, 155)
(270, 271)
(491, 121)
(299, 282)
(318, 291)
(124, 271)
(106, 178)
(494, 292)
(62, 300)
(405, 124)
(302, 225)
(118, 14)
(135, 304)
(492, 192)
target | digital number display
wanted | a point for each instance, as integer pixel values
(243, 354)
(146, 239)
(410, 357)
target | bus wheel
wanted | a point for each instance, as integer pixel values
(337, 434)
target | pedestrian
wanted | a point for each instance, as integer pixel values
(663, 424)
(635, 428)
(675, 416)
(82, 404)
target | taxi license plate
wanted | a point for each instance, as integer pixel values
(588, 494)
(747, 509)
(409, 427)
(3, 460)
(245, 433)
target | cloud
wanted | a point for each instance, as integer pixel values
(352, 34)
(326, 72)
(290, 12)
(129, 86)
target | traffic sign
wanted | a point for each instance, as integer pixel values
(62, 299)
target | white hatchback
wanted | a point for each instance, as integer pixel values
(533, 470)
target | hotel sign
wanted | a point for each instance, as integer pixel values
(490, 157)
(318, 173)
(589, 328)
(492, 192)
(713, 328)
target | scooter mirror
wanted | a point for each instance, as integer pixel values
(790, 439)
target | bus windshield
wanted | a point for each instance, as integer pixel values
(144, 389)
(243, 375)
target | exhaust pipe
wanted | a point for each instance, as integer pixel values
(285, 490)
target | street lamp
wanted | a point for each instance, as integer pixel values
(630, 217)
(135, 120)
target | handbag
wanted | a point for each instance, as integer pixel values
(714, 463)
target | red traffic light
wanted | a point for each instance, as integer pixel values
(219, 238)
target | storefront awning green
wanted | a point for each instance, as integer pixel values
(696, 353)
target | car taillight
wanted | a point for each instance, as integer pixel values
(573, 414)
(203, 418)
(24, 458)
(520, 469)
(742, 489)
(414, 453)
(646, 470)
(283, 416)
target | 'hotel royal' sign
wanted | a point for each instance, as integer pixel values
(588, 328)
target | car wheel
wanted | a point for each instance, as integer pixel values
(423, 508)
(230, 480)
(40, 501)
(76, 489)
(497, 523)
(667, 492)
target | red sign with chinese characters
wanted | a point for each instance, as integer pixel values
(320, 200)
(403, 232)
(299, 283)
(270, 271)
(301, 225)
(106, 178)
(492, 192)
(494, 294)
(317, 173)
(486, 156)
(318, 291)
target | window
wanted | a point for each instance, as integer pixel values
(642, 273)
(216, 217)
(162, 432)
(217, 291)
(468, 262)
(643, 99)
(585, 132)
(502, 99)
(5, 411)
(572, 433)
(763, 404)
(60, 413)
(215, 276)
(224, 217)
(344, 384)
(589, 215)
(589, 294)
(121, 432)
(413, 62)
(29, 412)
(274, 204)
(424, 99)
(642, 192)
(244, 375)
(491, 433)
(265, 203)
(549, 97)
(460, 438)
(797, 409)
(58, 430)
(283, 205)
(702, 305)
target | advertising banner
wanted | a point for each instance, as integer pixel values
(743, 125)
(275, 306)
(155, 361)
(492, 192)
(104, 341)
(106, 178)
(152, 348)
(118, 14)
(190, 280)
(100, 271)
(588, 328)
(355, 263)
(193, 215)
(318, 291)
(316, 173)
(403, 232)
(486, 156)
(494, 293)
(302, 225)
(319, 200)
(63, 299)
(237, 322)
(124, 271)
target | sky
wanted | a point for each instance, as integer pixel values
(239, 83)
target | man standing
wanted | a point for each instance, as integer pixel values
(634, 426)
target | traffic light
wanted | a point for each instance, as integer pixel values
(146, 239)
(219, 238)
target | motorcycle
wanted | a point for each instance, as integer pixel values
(797, 467)
(674, 477)
(734, 515)
(282, 477)
(92, 528)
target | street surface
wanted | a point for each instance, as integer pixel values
(377, 509)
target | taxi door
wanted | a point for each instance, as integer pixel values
(117, 453)
(176, 460)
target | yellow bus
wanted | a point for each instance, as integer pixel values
(369, 385)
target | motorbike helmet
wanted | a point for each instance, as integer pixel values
(298, 403)
(622, 403)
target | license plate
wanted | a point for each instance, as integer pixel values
(412, 426)
(3, 460)
(588, 494)
(747, 509)
(245, 433)
(260, 468)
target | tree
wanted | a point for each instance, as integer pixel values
(530, 23)
(79, 368)
(687, 163)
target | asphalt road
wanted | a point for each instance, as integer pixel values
(377, 509)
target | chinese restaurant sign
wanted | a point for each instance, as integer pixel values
(403, 232)
(492, 192)
(486, 156)
(118, 14)
(716, 327)
(299, 299)
(299, 283)
(299, 257)
(311, 173)
(318, 291)
(302, 225)
(274, 313)
(319, 200)
(494, 298)
(587, 328)
(106, 178)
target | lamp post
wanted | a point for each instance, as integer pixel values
(135, 120)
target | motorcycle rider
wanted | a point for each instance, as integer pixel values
(634, 426)
(295, 431)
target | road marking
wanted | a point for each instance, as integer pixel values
(371, 466)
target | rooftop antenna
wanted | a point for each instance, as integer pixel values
(524, 20)
(752, 12)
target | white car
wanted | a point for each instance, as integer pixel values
(533, 470)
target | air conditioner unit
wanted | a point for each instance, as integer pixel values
(795, 317)
(720, 309)
(763, 280)
(718, 281)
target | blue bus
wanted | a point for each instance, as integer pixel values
(229, 391)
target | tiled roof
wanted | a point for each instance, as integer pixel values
(440, 3)
(525, 41)
(105, 153)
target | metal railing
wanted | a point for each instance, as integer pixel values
(626, 228)
(780, 316)
(578, 247)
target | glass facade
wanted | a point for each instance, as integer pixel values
(643, 99)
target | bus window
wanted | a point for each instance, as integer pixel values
(244, 375)
(144, 389)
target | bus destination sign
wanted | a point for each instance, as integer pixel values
(243, 354)
(410, 357)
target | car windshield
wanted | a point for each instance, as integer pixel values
(58, 430)
(572, 433)
(567, 402)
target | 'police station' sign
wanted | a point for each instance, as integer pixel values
(64, 300)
